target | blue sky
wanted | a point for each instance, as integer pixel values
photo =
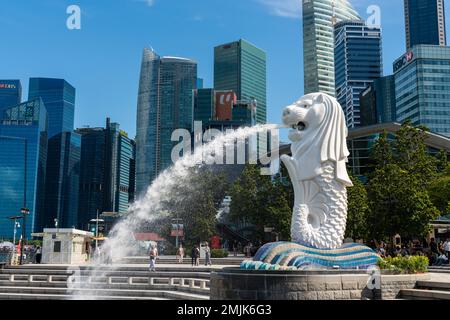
(102, 60)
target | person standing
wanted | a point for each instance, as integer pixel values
(153, 256)
(194, 256)
(207, 255)
(38, 255)
(180, 253)
(447, 248)
(197, 256)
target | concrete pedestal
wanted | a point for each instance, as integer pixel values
(237, 284)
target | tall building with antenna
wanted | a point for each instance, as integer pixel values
(319, 18)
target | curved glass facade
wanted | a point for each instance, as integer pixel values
(319, 17)
(23, 135)
(165, 103)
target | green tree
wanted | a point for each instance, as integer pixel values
(439, 192)
(358, 210)
(397, 189)
(258, 200)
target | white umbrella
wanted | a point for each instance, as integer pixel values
(9, 245)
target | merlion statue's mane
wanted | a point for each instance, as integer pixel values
(325, 143)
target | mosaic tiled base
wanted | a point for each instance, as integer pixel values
(293, 256)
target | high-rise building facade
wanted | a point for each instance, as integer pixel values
(241, 67)
(59, 98)
(10, 93)
(107, 170)
(377, 102)
(319, 18)
(165, 103)
(64, 147)
(23, 155)
(422, 87)
(424, 22)
(358, 62)
(62, 181)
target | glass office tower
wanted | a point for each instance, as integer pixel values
(165, 103)
(23, 139)
(62, 181)
(107, 157)
(10, 93)
(424, 22)
(61, 190)
(422, 87)
(358, 62)
(319, 18)
(241, 67)
(59, 98)
(377, 102)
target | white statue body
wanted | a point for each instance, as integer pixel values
(318, 170)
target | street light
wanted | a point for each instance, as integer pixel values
(24, 212)
(16, 225)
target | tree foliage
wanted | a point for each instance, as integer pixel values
(358, 210)
(262, 202)
(397, 188)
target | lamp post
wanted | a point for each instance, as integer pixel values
(16, 225)
(24, 212)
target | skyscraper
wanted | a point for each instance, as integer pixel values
(319, 17)
(10, 93)
(62, 181)
(377, 102)
(23, 154)
(165, 103)
(358, 62)
(62, 174)
(59, 98)
(422, 90)
(241, 67)
(107, 157)
(424, 22)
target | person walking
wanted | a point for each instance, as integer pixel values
(153, 256)
(207, 255)
(180, 253)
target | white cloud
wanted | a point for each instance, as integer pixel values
(284, 8)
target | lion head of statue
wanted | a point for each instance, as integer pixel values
(319, 134)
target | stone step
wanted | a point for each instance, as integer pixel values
(433, 285)
(98, 292)
(114, 286)
(64, 268)
(24, 296)
(423, 294)
(109, 272)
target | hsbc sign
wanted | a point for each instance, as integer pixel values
(403, 61)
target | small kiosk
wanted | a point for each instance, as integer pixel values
(66, 246)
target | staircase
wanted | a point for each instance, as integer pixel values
(440, 269)
(41, 282)
(427, 290)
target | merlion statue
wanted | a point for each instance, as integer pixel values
(319, 176)
(318, 170)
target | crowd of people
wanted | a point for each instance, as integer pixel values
(438, 253)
